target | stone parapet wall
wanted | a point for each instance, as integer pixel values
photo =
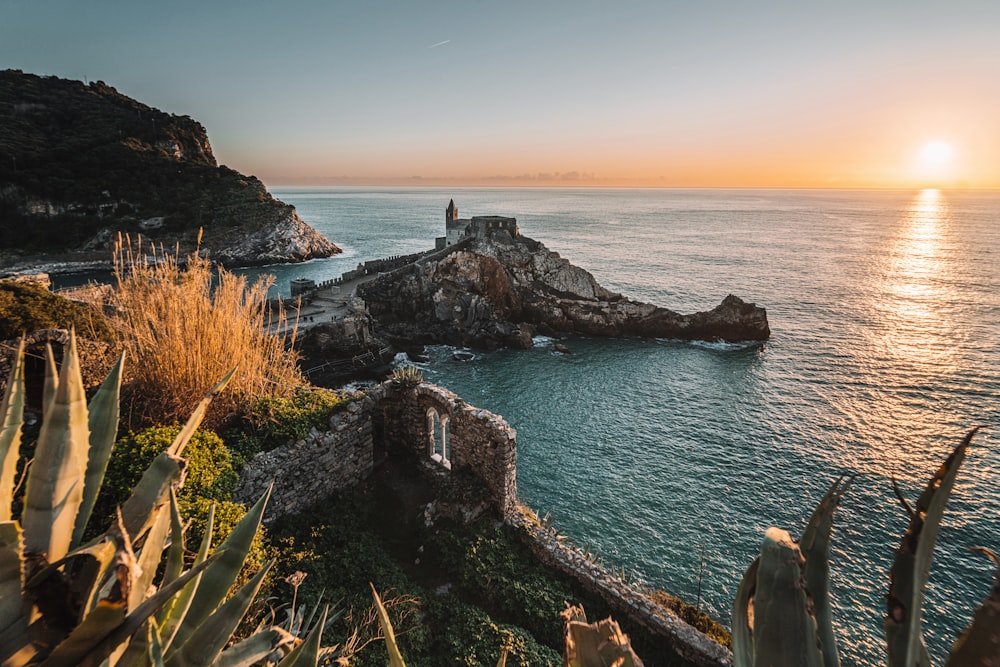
(630, 600)
(325, 462)
(320, 464)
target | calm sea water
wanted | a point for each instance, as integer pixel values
(885, 313)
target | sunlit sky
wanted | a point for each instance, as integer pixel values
(651, 93)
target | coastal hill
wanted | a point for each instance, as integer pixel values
(495, 287)
(80, 163)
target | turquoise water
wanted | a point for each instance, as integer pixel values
(885, 313)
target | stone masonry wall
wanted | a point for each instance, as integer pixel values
(478, 440)
(630, 600)
(318, 465)
(325, 462)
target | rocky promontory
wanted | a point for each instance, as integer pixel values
(80, 163)
(499, 288)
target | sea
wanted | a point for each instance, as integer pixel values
(670, 459)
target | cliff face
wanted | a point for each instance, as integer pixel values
(79, 163)
(499, 290)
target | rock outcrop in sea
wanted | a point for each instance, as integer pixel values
(498, 288)
(82, 163)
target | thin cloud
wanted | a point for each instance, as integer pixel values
(434, 46)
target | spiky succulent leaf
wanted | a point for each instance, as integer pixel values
(173, 613)
(55, 481)
(88, 635)
(911, 566)
(150, 557)
(205, 644)
(175, 552)
(152, 492)
(103, 423)
(502, 661)
(155, 649)
(815, 547)
(784, 629)
(979, 644)
(742, 636)
(307, 653)
(91, 563)
(96, 656)
(186, 433)
(255, 648)
(219, 579)
(395, 657)
(12, 416)
(13, 623)
(51, 379)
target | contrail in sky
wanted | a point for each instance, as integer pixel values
(434, 46)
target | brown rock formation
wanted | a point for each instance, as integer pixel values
(500, 290)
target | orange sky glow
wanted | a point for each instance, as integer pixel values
(658, 94)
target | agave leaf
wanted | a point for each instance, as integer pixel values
(911, 566)
(97, 625)
(743, 617)
(155, 648)
(119, 634)
(815, 547)
(136, 654)
(51, 379)
(174, 612)
(395, 657)
(13, 623)
(175, 552)
(103, 423)
(307, 653)
(86, 582)
(596, 644)
(979, 644)
(55, 483)
(784, 630)
(255, 648)
(205, 644)
(153, 491)
(502, 662)
(12, 411)
(150, 557)
(219, 579)
(181, 441)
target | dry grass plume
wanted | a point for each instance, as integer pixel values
(185, 325)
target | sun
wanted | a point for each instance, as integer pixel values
(936, 153)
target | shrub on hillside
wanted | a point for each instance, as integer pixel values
(274, 420)
(25, 307)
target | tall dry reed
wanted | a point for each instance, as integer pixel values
(185, 324)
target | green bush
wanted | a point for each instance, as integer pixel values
(210, 472)
(468, 636)
(25, 307)
(272, 422)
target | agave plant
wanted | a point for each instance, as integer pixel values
(66, 602)
(782, 613)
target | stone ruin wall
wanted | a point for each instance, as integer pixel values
(316, 466)
(478, 440)
(326, 462)
(627, 599)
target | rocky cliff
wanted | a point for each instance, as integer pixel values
(497, 289)
(79, 163)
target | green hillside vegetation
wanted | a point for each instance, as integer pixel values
(27, 307)
(79, 158)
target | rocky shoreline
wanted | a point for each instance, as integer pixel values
(501, 289)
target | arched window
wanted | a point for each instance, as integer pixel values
(438, 448)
